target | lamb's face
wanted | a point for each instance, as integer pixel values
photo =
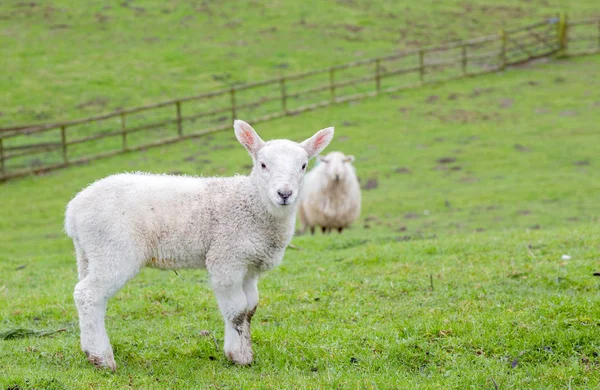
(279, 169)
(336, 166)
(279, 165)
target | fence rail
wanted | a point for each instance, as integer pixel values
(26, 150)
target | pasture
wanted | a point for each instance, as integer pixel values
(472, 263)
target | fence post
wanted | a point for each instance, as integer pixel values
(2, 157)
(503, 40)
(283, 95)
(331, 83)
(179, 125)
(63, 138)
(562, 35)
(123, 131)
(422, 66)
(233, 113)
(378, 74)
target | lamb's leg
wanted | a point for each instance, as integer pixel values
(251, 291)
(234, 308)
(340, 230)
(323, 229)
(312, 230)
(91, 297)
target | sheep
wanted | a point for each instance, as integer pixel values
(236, 227)
(331, 195)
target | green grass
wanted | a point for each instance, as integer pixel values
(453, 277)
(488, 231)
(65, 61)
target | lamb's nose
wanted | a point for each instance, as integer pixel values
(337, 177)
(285, 194)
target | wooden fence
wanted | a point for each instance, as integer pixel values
(33, 149)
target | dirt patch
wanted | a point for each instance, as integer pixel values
(524, 212)
(568, 113)
(403, 170)
(480, 91)
(522, 148)
(446, 160)
(100, 101)
(464, 116)
(343, 138)
(221, 77)
(506, 103)
(432, 99)
(411, 215)
(469, 179)
(542, 110)
(351, 27)
(582, 162)
(371, 184)
(453, 96)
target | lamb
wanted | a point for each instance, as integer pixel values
(331, 197)
(235, 227)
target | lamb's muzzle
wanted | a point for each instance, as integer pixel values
(235, 227)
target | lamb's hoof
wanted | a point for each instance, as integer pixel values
(240, 358)
(100, 362)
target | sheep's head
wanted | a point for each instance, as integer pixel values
(280, 165)
(336, 166)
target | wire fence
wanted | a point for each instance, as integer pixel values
(26, 150)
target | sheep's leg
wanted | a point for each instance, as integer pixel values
(234, 308)
(251, 291)
(312, 230)
(91, 297)
(340, 230)
(323, 229)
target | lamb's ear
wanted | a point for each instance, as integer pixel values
(247, 137)
(315, 144)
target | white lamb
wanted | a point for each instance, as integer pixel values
(331, 196)
(235, 227)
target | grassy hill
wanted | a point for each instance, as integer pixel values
(455, 276)
(63, 60)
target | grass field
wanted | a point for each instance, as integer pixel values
(472, 263)
(71, 61)
(489, 228)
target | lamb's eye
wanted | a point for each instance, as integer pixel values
(263, 166)
(304, 166)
